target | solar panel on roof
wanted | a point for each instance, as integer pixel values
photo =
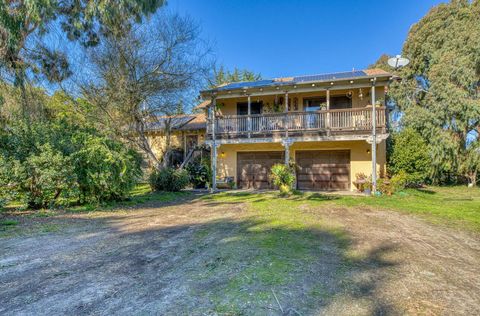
(299, 79)
(331, 76)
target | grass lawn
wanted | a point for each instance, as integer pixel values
(458, 205)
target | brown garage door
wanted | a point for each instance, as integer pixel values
(323, 170)
(253, 168)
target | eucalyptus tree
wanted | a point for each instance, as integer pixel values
(25, 23)
(439, 93)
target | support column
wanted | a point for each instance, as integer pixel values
(374, 139)
(213, 159)
(286, 144)
(214, 167)
(287, 154)
(328, 113)
(249, 113)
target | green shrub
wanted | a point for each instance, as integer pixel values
(169, 179)
(200, 173)
(46, 178)
(410, 154)
(399, 181)
(395, 184)
(47, 164)
(282, 177)
(6, 191)
(106, 170)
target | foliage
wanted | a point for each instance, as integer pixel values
(83, 21)
(282, 177)
(410, 155)
(53, 163)
(106, 170)
(6, 192)
(395, 184)
(223, 76)
(167, 62)
(200, 172)
(439, 92)
(169, 179)
(399, 181)
(381, 63)
(44, 177)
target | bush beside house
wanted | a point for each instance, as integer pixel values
(410, 157)
(169, 179)
(283, 177)
(46, 164)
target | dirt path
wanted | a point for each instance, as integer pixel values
(153, 260)
(421, 268)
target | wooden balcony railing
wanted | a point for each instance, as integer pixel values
(358, 119)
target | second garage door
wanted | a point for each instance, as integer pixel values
(253, 168)
(323, 170)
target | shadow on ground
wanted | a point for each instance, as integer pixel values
(170, 260)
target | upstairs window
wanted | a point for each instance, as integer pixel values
(340, 102)
(314, 104)
(255, 108)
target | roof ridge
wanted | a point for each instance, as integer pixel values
(331, 73)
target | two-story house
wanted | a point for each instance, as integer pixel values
(325, 124)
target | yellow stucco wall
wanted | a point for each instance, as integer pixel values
(158, 140)
(360, 155)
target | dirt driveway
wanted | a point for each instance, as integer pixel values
(186, 257)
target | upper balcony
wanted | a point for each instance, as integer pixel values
(353, 121)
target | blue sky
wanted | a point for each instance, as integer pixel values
(283, 38)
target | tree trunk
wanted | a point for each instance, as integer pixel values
(472, 179)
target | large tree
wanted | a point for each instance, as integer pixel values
(24, 23)
(140, 78)
(440, 89)
(222, 76)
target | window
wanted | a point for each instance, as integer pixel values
(340, 102)
(255, 108)
(313, 104)
(336, 102)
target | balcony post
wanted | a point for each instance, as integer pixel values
(328, 113)
(286, 114)
(249, 113)
(374, 139)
